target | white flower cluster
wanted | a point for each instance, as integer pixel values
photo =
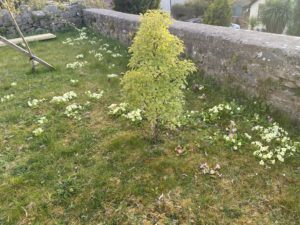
(183, 87)
(42, 120)
(111, 66)
(203, 96)
(80, 56)
(74, 82)
(73, 111)
(273, 132)
(220, 108)
(218, 111)
(6, 98)
(112, 75)
(99, 56)
(82, 35)
(87, 104)
(232, 137)
(248, 136)
(13, 84)
(76, 65)
(201, 87)
(189, 117)
(115, 55)
(134, 116)
(104, 47)
(38, 131)
(275, 144)
(65, 98)
(34, 102)
(122, 110)
(96, 96)
(68, 41)
(118, 110)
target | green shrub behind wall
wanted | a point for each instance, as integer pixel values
(190, 9)
(135, 6)
(294, 28)
(219, 13)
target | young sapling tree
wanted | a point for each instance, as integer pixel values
(157, 74)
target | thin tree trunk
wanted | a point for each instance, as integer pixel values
(22, 36)
(155, 132)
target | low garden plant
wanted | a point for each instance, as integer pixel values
(157, 76)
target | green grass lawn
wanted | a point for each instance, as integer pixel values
(105, 170)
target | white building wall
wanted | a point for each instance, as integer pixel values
(166, 4)
(254, 9)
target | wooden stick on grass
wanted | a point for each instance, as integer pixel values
(29, 53)
(23, 51)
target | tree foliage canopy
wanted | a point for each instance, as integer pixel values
(158, 74)
(219, 13)
(190, 9)
(135, 6)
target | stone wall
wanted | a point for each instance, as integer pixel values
(262, 64)
(51, 18)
